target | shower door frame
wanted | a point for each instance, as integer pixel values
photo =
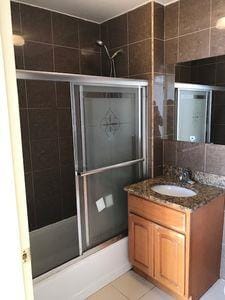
(77, 80)
(76, 92)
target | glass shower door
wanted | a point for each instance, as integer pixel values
(109, 133)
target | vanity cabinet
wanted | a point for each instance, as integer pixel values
(179, 250)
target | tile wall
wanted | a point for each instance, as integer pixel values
(56, 43)
(140, 33)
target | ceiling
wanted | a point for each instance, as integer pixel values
(93, 10)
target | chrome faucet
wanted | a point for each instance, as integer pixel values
(185, 176)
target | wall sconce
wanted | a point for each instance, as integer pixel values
(18, 40)
(220, 24)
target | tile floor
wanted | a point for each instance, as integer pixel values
(133, 287)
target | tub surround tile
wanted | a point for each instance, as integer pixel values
(21, 87)
(30, 201)
(45, 154)
(217, 45)
(117, 30)
(66, 60)
(194, 46)
(25, 140)
(171, 51)
(47, 196)
(90, 62)
(15, 14)
(40, 94)
(19, 57)
(64, 122)
(36, 24)
(194, 15)
(171, 20)
(63, 94)
(38, 56)
(158, 21)
(138, 65)
(89, 33)
(66, 151)
(65, 30)
(139, 23)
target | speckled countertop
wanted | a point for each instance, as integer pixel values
(205, 193)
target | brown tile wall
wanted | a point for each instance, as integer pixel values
(53, 42)
(140, 33)
(190, 34)
(207, 158)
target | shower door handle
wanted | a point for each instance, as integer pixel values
(116, 166)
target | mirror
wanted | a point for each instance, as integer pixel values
(200, 101)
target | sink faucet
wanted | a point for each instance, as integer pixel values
(185, 176)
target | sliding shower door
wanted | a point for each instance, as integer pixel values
(109, 127)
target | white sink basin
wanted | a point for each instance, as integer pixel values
(173, 190)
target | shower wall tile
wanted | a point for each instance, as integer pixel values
(139, 23)
(44, 153)
(30, 201)
(90, 62)
(36, 24)
(117, 31)
(159, 21)
(66, 60)
(38, 56)
(171, 50)
(25, 140)
(68, 191)
(40, 94)
(159, 64)
(21, 87)
(138, 51)
(66, 151)
(217, 45)
(19, 57)
(65, 30)
(89, 33)
(64, 122)
(15, 14)
(194, 45)
(194, 15)
(171, 20)
(63, 94)
(43, 124)
(47, 196)
(53, 41)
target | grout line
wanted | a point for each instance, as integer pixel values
(178, 31)
(53, 48)
(210, 24)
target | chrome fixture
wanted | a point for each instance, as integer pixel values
(185, 176)
(110, 57)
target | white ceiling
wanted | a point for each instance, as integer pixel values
(93, 10)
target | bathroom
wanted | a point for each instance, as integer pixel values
(96, 95)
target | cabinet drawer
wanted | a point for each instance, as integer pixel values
(157, 213)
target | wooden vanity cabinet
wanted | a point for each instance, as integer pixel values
(176, 249)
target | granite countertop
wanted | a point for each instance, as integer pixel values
(205, 193)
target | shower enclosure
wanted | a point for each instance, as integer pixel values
(105, 125)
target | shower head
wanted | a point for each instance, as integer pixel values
(100, 43)
(120, 51)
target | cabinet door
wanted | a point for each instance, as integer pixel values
(169, 258)
(141, 244)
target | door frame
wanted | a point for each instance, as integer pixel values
(16, 262)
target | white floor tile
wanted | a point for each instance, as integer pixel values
(132, 285)
(216, 292)
(107, 293)
(156, 294)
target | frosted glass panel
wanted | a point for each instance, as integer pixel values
(111, 125)
(107, 205)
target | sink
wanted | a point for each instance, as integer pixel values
(173, 190)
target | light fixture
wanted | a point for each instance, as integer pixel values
(220, 24)
(18, 40)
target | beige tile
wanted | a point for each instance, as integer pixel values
(109, 293)
(156, 294)
(132, 285)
